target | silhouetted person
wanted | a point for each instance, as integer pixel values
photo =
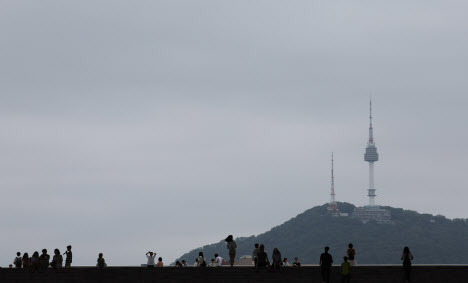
(68, 258)
(285, 262)
(351, 255)
(101, 262)
(262, 258)
(277, 259)
(345, 271)
(326, 261)
(407, 257)
(57, 260)
(35, 262)
(201, 260)
(184, 263)
(26, 261)
(44, 260)
(197, 263)
(150, 256)
(213, 263)
(219, 260)
(231, 246)
(254, 255)
(296, 262)
(18, 261)
(178, 264)
(160, 262)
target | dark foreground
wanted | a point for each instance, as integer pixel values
(362, 274)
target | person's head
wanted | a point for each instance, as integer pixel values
(44, 251)
(345, 259)
(18, 254)
(151, 253)
(262, 248)
(212, 260)
(196, 260)
(100, 255)
(406, 250)
(25, 256)
(256, 246)
(296, 259)
(216, 255)
(285, 259)
(10, 266)
(350, 246)
(327, 249)
(56, 251)
(36, 254)
(200, 254)
(229, 238)
(69, 248)
(160, 259)
(183, 261)
(178, 263)
(275, 251)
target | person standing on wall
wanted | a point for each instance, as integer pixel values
(231, 246)
(326, 261)
(407, 257)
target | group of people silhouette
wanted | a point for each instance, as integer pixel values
(260, 259)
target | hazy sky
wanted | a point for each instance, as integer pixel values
(166, 125)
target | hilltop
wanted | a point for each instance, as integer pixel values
(432, 239)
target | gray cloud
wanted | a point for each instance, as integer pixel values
(167, 124)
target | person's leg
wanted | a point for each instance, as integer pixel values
(327, 275)
(232, 257)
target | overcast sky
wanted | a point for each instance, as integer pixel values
(166, 125)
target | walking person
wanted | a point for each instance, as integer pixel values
(57, 260)
(26, 261)
(326, 262)
(44, 260)
(231, 246)
(345, 271)
(351, 253)
(150, 256)
(201, 260)
(18, 261)
(407, 257)
(254, 255)
(68, 258)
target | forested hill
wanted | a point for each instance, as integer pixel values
(432, 239)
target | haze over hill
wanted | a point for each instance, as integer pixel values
(432, 239)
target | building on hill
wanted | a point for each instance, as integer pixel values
(372, 211)
(375, 213)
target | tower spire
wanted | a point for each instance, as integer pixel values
(371, 129)
(332, 206)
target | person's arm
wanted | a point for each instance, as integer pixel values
(411, 256)
(402, 256)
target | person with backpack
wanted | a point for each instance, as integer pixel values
(326, 262)
(68, 259)
(407, 257)
(18, 261)
(201, 260)
(231, 246)
(345, 271)
(351, 255)
(44, 260)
